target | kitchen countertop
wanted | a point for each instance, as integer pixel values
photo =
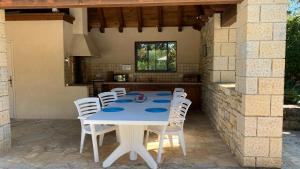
(153, 83)
(141, 83)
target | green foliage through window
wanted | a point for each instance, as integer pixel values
(157, 56)
(292, 70)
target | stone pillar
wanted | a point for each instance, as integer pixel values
(261, 27)
(5, 133)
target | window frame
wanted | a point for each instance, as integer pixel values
(153, 71)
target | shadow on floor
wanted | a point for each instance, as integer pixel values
(54, 144)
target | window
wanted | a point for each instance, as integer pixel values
(155, 56)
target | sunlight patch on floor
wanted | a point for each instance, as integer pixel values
(153, 145)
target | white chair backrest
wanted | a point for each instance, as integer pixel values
(178, 111)
(87, 106)
(178, 90)
(120, 91)
(179, 94)
(107, 97)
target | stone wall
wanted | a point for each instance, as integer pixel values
(223, 106)
(5, 133)
(291, 117)
(249, 116)
(261, 27)
(218, 64)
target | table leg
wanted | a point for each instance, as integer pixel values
(131, 141)
(133, 155)
(94, 141)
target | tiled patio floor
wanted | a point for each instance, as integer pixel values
(54, 144)
(291, 149)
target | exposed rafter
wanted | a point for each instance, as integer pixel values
(121, 19)
(160, 18)
(180, 18)
(102, 20)
(140, 19)
(228, 17)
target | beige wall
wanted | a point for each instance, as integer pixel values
(118, 47)
(38, 53)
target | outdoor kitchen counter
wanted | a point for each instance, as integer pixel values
(155, 83)
(192, 89)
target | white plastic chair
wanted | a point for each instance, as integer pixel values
(120, 91)
(178, 113)
(107, 97)
(86, 107)
(178, 90)
(179, 94)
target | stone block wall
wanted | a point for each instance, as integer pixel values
(219, 63)
(291, 117)
(223, 106)
(260, 79)
(249, 116)
(5, 132)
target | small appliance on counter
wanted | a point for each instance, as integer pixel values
(191, 78)
(120, 77)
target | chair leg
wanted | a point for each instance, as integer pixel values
(160, 148)
(118, 135)
(82, 141)
(170, 140)
(147, 138)
(101, 136)
(182, 142)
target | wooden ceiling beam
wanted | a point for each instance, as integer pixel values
(102, 20)
(17, 4)
(219, 8)
(140, 19)
(160, 18)
(121, 19)
(180, 18)
(228, 17)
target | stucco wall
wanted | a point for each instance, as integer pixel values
(118, 47)
(38, 54)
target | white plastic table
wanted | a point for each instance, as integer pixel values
(131, 121)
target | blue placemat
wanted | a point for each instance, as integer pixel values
(112, 109)
(156, 110)
(133, 93)
(164, 94)
(161, 101)
(124, 101)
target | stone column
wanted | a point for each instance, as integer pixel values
(5, 133)
(261, 27)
